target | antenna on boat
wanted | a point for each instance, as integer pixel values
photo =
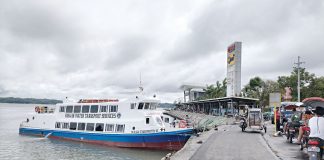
(140, 85)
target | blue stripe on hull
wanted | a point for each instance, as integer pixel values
(176, 136)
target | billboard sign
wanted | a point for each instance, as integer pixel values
(231, 54)
(275, 99)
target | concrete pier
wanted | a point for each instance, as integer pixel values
(194, 143)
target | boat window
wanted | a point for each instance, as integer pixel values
(90, 126)
(113, 108)
(147, 106)
(94, 109)
(154, 106)
(65, 125)
(140, 105)
(120, 128)
(147, 120)
(69, 109)
(57, 125)
(85, 109)
(62, 109)
(81, 126)
(77, 109)
(99, 127)
(73, 126)
(166, 120)
(133, 105)
(103, 108)
(109, 127)
(158, 120)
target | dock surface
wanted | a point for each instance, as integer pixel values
(232, 143)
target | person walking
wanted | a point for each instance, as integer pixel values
(277, 120)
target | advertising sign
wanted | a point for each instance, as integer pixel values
(231, 54)
(275, 101)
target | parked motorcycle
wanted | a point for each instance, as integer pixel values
(315, 149)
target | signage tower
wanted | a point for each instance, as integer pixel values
(234, 70)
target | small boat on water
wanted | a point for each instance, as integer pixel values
(121, 123)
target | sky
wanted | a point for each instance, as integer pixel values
(101, 48)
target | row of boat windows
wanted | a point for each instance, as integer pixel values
(144, 106)
(100, 127)
(88, 109)
(104, 108)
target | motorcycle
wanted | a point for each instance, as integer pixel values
(315, 149)
(305, 138)
(293, 130)
(243, 124)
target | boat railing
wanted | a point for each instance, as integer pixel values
(24, 124)
(44, 109)
(97, 100)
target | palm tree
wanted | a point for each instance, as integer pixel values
(215, 91)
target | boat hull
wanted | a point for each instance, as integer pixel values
(174, 140)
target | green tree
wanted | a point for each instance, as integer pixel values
(306, 78)
(260, 89)
(268, 87)
(254, 88)
(314, 89)
(215, 91)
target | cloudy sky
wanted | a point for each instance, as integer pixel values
(87, 49)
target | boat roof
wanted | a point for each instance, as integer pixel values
(110, 101)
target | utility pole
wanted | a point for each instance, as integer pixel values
(298, 74)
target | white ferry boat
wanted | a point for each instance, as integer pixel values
(111, 122)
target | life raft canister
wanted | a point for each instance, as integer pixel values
(37, 109)
(182, 124)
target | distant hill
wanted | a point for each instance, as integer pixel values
(28, 100)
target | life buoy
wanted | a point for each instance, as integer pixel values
(182, 124)
(37, 109)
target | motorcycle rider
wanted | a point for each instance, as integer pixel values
(306, 117)
(294, 118)
(316, 124)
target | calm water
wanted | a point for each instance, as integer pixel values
(15, 146)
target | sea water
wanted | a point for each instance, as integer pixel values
(20, 147)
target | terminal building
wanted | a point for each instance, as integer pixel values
(192, 92)
(233, 103)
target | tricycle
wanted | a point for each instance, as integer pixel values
(253, 120)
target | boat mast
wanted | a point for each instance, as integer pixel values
(140, 85)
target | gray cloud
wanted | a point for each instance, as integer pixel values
(128, 50)
(251, 21)
(98, 49)
(3, 91)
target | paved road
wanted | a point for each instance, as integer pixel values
(282, 148)
(233, 144)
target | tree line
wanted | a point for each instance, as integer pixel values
(28, 100)
(311, 86)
